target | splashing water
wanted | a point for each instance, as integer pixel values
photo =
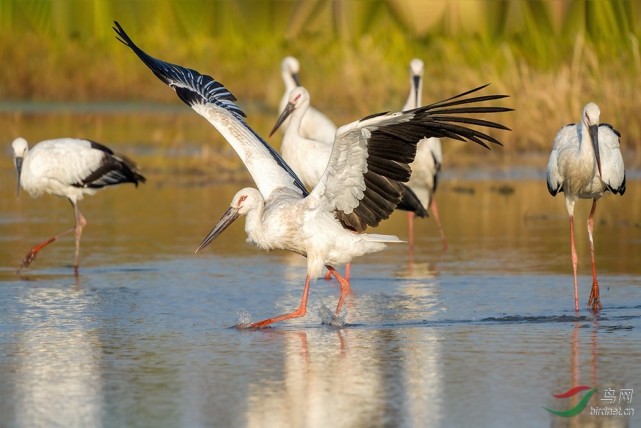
(330, 318)
(244, 318)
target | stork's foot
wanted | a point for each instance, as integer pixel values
(594, 303)
(301, 311)
(30, 257)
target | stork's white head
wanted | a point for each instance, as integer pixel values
(416, 67)
(290, 68)
(246, 200)
(243, 202)
(20, 149)
(298, 100)
(290, 65)
(591, 113)
(416, 86)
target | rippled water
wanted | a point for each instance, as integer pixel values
(480, 335)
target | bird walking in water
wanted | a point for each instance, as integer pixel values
(314, 125)
(70, 168)
(586, 163)
(427, 165)
(360, 186)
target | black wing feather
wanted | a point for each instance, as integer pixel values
(113, 169)
(392, 147)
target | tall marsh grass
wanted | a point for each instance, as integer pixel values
(551, 56)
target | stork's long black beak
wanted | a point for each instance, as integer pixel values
(594, 136)
(417, 84)
(18, 162)
(289, 108)
(296, 78)
(227, 219)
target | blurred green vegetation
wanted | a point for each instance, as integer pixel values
(551, 56)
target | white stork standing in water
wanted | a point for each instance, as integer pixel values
(586, 163)
(70, 168)
(427, 165)
(315, 125)
(360, 186)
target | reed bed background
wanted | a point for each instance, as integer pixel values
(551, 56)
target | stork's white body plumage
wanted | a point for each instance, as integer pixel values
(586, 163)
(360, 186)
(429, 157)
(314, 125)
(70, 168)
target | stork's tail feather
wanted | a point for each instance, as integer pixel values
(385, 239)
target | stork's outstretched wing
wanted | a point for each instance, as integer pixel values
(214, 102)
(371, 157)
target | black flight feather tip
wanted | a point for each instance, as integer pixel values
(194, 88)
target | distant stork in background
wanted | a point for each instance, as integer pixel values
(70, 168)
(359, 188)
(315, 125)
(427, 165)
(586, 163)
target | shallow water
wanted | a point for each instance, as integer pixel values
(480, 335)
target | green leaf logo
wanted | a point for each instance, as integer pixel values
(579, 407)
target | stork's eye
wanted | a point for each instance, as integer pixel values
(241, 200)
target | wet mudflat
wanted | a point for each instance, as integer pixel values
(479, 335)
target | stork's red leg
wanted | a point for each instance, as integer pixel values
(80, 224)
(594, 303)
(410, 230)
(348, 269)
(345, 288)
(574, 265)
(31, 255)
(434, 211)
(301, 311)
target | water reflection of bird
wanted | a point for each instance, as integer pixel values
(360, 187)
(427, 165)
(586, 163)
(70, 168)
(56, 359)
(315, 125)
